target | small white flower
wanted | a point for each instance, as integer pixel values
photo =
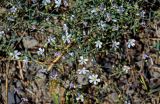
(34, 1)
(24, 99)
(120, 10)
(71, 54)
(115, 28)
(93, 10)
(80, 98)
(145, 56)
(83, 71)
(10, 18)
(25, 60)
(126, 68)
(131, 43)
(51, 40)
(40, 51)
(115, 45)
(58, 3)
(114, 20)
(15, 54)
(66, 38)
(102, 24)
(45, 2)
(94, 79)
(143, 23)
(1, 33)
(65, 29)
(142, 14)
(72, 17)
(82, 60)
(98, 44)
(13, 9)
(108, 17)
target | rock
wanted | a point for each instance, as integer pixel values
(108, 67)
(29, 42)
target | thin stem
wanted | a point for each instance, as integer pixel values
(7, 71)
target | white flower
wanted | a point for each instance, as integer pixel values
(145, 56)
(120, 10)
(45, 2)
(126, 68)
(72, 17)
(131, 43)
(24, 99)
(40, 51)
(115, 28)
(80, 98)
(10, 18)
(114, 20)
(83, 71)
(102, 24)
(65, 29)
(15, 54)
(93, 10)
(34, 1)
(13, 9)
(25, 60)
(1, 33)
(98, 44)
(94, 79)
(66, 38)
(82, 60)
(51, 40)
(115, 45)
(142, 14)
(108, 17)
(58, 3)
(143, 23)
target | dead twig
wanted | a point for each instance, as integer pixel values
(7, 71)
(20, 70)
(59, 57)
